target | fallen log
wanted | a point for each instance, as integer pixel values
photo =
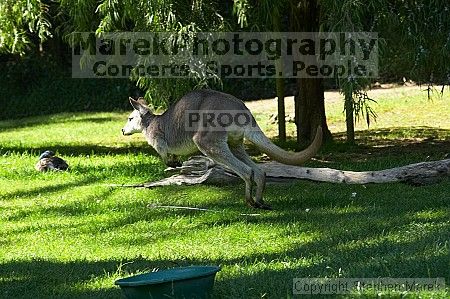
(202, 170)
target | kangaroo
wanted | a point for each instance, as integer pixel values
(179, 131)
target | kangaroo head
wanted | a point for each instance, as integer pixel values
(138, 118)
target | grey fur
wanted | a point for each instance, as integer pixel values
(168, 135)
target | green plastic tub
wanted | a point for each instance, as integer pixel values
(186, 282)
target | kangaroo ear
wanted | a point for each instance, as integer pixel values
(150, 107)
(142, 101)
(138, 105)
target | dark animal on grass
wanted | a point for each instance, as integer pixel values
(215, 124)
(48, 161)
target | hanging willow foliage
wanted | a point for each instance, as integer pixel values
(19, 20)
(415, 34)
(174, 16)
(414, 37)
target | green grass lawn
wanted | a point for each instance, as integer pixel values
(70, 235)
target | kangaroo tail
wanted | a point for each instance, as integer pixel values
(264, 144)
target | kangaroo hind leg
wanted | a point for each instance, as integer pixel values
(221, 153)
(259, 177)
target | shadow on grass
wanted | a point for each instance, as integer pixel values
(323, 258)
(354, 238)
(81, 150)
(372, 212)
(49, 279)
(45, 190)
(73, 208)
(378, 148)
(398, 141)
(415, 142)
(63, 118)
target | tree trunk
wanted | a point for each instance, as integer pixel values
(281, 110)
(310, 109)
(349, 119)
(309, 101)
(56, 49)
(280, 86)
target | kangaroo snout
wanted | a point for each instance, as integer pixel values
(125, 133)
